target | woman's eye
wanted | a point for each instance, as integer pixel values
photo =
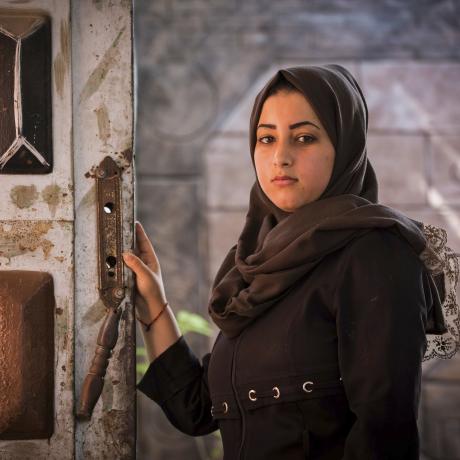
(265, 139)
(306, 139)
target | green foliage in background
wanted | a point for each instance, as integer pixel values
(188, 322)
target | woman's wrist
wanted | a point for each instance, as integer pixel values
(146, 310)
(155, 310)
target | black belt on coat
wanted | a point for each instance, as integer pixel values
(276, 390)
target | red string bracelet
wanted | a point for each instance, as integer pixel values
(147, 326)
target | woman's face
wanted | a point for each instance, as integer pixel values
(292, 142)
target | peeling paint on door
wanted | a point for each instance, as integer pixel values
(20, 237)
(24, 196)
(62, 59)
(97, 76)
(103, 123)
(51, 195)
(94, 313)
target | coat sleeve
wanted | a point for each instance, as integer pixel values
(178, 383)
(381, 303)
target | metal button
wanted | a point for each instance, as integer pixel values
(277, 392)
(304, 386)
(225, 407)
(254, 393)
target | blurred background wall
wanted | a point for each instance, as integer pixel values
(200, 64)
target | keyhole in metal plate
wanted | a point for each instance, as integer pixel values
(108, 208)
(111, 261)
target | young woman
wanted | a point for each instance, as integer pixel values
(323, 304)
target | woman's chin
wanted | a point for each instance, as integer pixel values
(286, 206)
(291, 205)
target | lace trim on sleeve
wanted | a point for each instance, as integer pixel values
(441, 260)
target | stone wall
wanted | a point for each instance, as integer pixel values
(200, 64)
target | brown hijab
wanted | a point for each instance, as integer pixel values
(276, 248)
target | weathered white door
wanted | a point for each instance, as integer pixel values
(66, 103)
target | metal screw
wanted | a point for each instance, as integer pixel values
(100, 172)
(119, 293)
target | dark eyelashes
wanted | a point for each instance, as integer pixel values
(309, 138)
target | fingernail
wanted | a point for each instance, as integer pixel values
(126, 255)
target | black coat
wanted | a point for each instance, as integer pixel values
(332, 371)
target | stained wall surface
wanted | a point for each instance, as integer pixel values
(200, 64)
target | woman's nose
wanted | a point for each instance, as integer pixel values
(282, 155)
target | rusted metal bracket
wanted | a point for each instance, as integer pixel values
(111, 287)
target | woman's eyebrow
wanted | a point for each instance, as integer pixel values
(293, 126)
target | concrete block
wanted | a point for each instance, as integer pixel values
(230, 173)
(399, 163)
(445, 167)
(224, 230)
(412, 96)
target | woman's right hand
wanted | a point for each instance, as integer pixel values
(149, 289)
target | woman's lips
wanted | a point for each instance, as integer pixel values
(284, 182)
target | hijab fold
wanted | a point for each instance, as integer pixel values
(276, 248)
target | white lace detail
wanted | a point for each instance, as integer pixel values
(439, 258)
